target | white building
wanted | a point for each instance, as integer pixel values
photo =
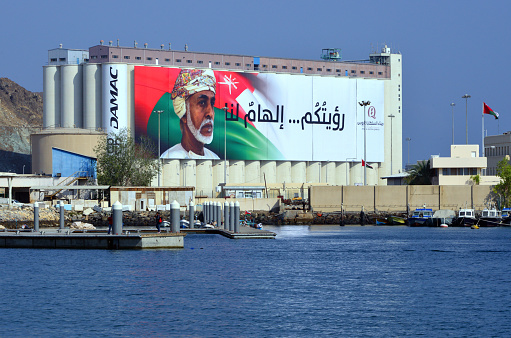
(78, 96)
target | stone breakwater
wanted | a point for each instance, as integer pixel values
(16, 217)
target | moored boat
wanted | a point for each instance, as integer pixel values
(466, 218)
(490, 218)
(421, 217)
(396, 220)
(443, 217)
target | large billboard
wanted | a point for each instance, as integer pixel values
(259, 116)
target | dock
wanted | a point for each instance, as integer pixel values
(55, 239)
(133, 238)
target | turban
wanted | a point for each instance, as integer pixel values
(189, 82)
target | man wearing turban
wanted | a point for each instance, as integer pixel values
(193, 98)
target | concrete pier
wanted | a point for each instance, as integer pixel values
(53, 239)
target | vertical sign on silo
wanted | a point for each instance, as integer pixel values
(115, 97)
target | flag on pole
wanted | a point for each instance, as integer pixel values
(364, 164)
(489, 111)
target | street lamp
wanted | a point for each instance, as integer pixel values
(466, 97)
(452, 108)
(408, 140)
(225, 147)
(159, 151)
(365, 104)
(391, 117)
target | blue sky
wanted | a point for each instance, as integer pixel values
(448, 48)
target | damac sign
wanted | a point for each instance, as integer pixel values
(115, 104)
(113, 101)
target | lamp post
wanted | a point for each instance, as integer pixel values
(391, 117)
(466, 97)
(452, 109)
(365, 104)
(159, 151)
(408, 140)
(225, 147)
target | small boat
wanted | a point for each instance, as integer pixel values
(474, 226)
(443, 225)
(421, 217)
(396, 220)
(466, 218)
(382, 221)
(490, 218)
(506, 217)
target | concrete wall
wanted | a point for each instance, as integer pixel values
(398, 198)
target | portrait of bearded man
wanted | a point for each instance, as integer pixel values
(193, 98)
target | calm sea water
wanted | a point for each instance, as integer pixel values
(310, 281)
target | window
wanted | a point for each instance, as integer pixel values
(380, 73)
(362, 72)
(274, 66)
(127, 57)
(148, 58)
(64, 59)
(53, 60)
(264, 66)
(93, 57)
(200, 62)
(294, 67)
(138, 57)
(115, 56)
(189, 61)
(217, 63)
(309, 68)
(178, 60)
(284, 67)
(104, 56)
(318, 69)
(167, 60)
(248, 65)
(238, 64)
(371, 72)
(353, 72)
(446, 171)
(328, 70)
(227, 63)
(337, 70)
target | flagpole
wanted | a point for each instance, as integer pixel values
(482, 150)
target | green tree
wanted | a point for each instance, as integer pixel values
(476, 179)
(420, 174)
(124, 162)
(503, 189)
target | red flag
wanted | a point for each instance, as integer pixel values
(489, 111)
(364, 163)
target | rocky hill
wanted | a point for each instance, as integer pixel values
(21, 113)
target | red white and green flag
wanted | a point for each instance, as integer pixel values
(489, 111)
(365, 164)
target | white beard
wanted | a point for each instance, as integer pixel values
(196, 132)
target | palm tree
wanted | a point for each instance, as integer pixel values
(420, 174)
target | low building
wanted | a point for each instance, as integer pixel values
(463, 164)
(496, 147)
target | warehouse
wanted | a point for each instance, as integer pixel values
(277, 122)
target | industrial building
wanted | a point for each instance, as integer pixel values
(322, 137)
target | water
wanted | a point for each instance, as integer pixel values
(310, 281)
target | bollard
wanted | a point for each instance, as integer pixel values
(36, 216)
(211, 213)
(205, 211)
(191, 214)
(231, 216)
(117, 218)
(61, 224)
(174, 216)
(219, 214)
(226, 216)
(237, 217)
(215, 214)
